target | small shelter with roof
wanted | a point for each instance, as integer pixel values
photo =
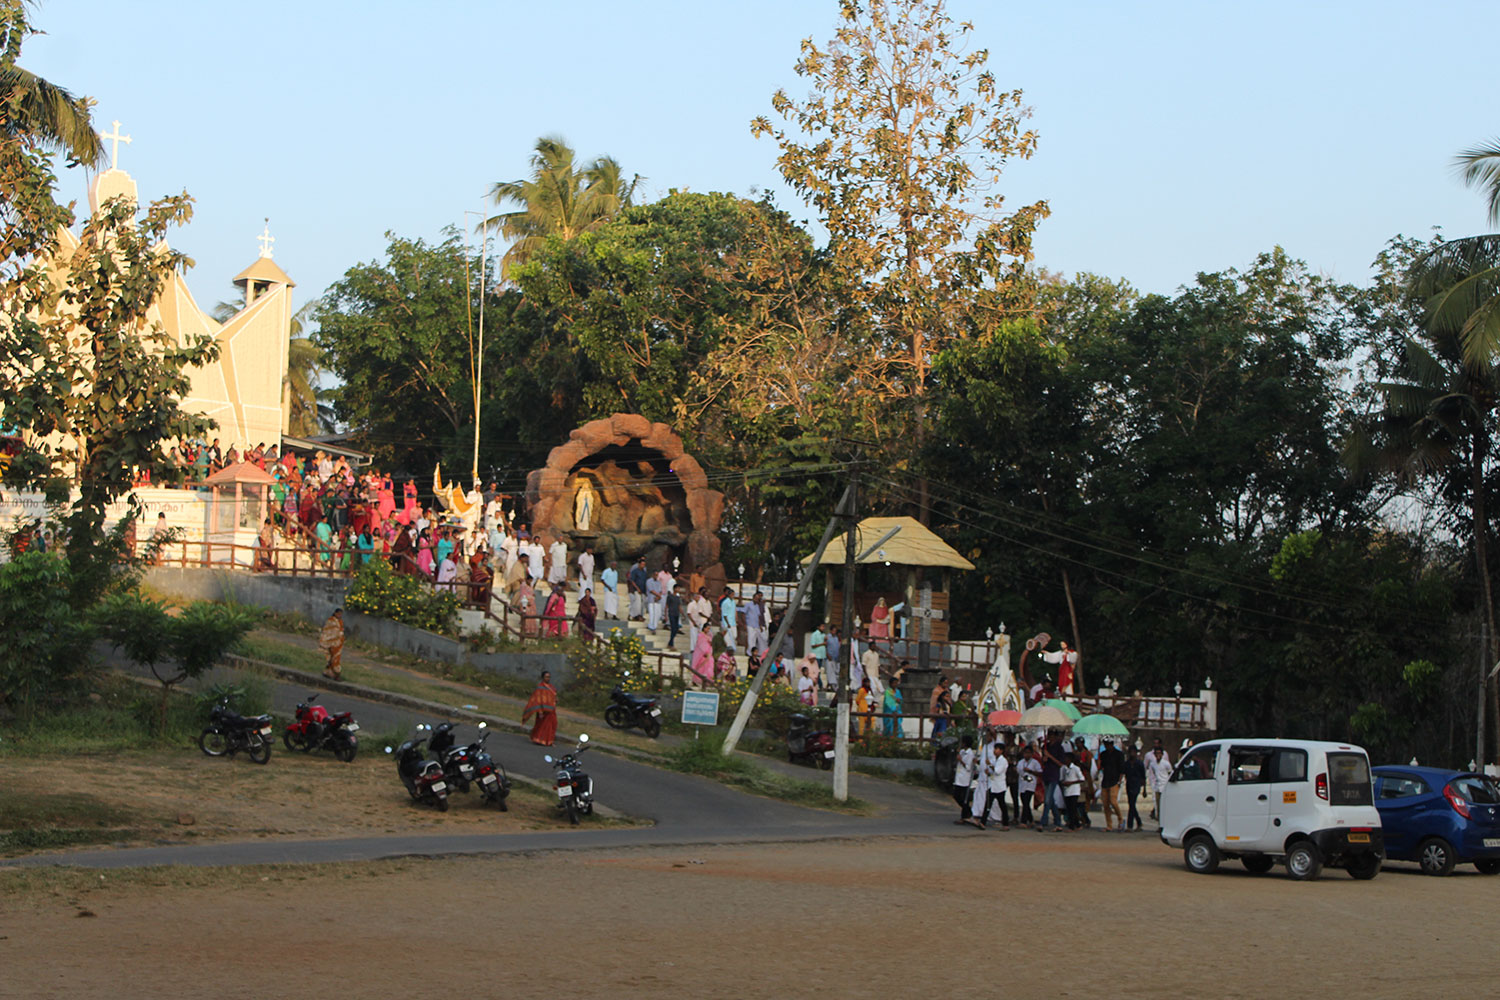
(239, 497)
(899, 569)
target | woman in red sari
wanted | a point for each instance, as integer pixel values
(588, 614)
(542, 704)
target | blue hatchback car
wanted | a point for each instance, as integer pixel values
(1439, 818)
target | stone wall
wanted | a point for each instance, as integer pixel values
(315, 599)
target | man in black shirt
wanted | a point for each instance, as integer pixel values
(1111, 769)
(1135, 783)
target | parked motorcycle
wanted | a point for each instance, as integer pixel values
(945, 762)
(575, 789)
(423, 778)
(805, 745)
(470, 764)
(630, 710)
(314, 728)
(227, 733)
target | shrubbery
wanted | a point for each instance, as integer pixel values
(598, 667)
(380, 591)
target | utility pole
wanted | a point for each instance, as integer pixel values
(848, 509)
(737, 727)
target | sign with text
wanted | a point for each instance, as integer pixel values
(700, 708)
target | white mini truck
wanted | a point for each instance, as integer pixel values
(1305, 803)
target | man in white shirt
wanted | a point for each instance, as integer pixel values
(963, 776)
(1158, 773)
(989, 790)
(698, 612)
(1072, 789)
(655, 602)
(609, 582)
(557, 569)
(538, 557)
(1029, 773)
(729, 619)
(870, 661)
(585, 571)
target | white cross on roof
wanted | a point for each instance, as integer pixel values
(115, 138)
(266, 239)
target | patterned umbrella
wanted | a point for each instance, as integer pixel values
(1100, 725)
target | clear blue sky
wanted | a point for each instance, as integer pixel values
(1175, 137)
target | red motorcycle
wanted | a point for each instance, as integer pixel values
(315, 728)
(804, 745)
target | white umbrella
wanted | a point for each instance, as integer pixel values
(1045, 716)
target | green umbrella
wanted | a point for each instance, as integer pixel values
(1063, 707)
(1100, 725)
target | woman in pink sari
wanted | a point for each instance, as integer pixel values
(425, 559)
(702, 664)
(385, 498)
(557, 612)
(409, 511)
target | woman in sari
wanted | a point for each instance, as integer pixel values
(409, 511)
(891, 705)
(557, 613)
(588, 614)
(426, 563)
(525, 605)
(479, 579)
(543, 705)
(864, 702)
(385, 498)
(401, 553)
(703, 658)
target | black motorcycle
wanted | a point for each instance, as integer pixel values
(423, 778)
(805, 745)
(464, 765)
(227, 733)
(630, 710)
(575, 789)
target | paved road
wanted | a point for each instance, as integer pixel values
(686, 809)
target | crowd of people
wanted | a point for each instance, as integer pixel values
(1051, 782)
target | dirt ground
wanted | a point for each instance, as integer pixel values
(183, 796)
(1018, 914)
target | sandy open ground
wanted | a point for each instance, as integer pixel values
(992, 914)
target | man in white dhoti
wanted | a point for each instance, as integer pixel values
(585, 571)
(557, 562)
(609, 590)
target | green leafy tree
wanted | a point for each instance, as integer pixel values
(558, 199)
(392, 333)
(174, 647)
(46, 643)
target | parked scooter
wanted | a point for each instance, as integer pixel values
(575, 789)
(805, 745)
(315, 728)
(227, 733)
(470, 764)
(630, 710)
(945, 762)
(423, 778)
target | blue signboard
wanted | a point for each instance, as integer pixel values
(700, 708)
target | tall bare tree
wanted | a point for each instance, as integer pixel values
(900, 146)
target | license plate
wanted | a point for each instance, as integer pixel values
(351, 727)
(465, 770)
(438, 786)
(1359, 838)
(656, 711)
(265, 730)
(1492, 841)
(563, 791)
(827, 753)
(490, 779)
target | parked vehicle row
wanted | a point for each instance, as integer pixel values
(1308, 805)
(227, 733)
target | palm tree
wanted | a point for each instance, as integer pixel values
(35, 108)
(1460, 280)
(558, 199)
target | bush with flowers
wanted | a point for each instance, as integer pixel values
(380, 591)
(599, 666)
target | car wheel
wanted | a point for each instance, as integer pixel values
(1364, 866)
(1304, 862)
(1258, 864)
(1488, 867)
(1200, 855)
(1435, 855)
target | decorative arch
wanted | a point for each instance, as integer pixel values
(648, 496)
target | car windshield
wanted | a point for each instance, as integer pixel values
(1349, 780)
(1477, 791)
